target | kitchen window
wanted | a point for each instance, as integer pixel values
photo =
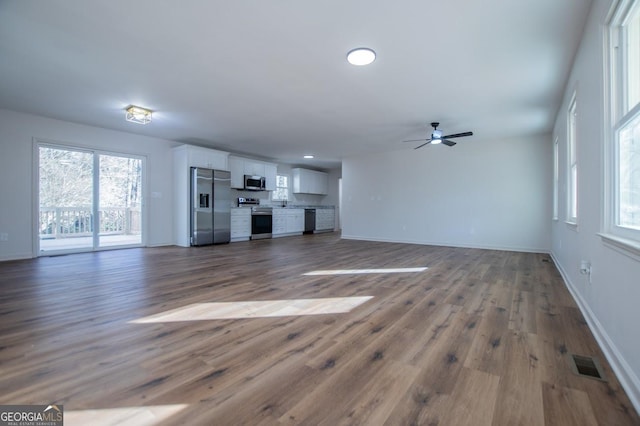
(282, 188)
(622, 215)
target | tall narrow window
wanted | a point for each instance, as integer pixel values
(572, 202)
(624, 153)
(556, 180)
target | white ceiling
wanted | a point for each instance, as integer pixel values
(270, 78)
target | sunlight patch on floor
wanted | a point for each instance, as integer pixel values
(123, 416)
(366, 271)
(257, 309)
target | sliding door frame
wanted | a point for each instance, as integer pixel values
(96, 152)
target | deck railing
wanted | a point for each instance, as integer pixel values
(66, 222)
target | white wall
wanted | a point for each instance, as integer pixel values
(610, 301)
(18, 192)
(480, 193)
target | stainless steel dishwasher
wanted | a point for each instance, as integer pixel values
(309, 221)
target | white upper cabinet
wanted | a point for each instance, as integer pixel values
(307, 181)
(253, 168)
(270, 173)
(205, 157)
(236, 167)
(239, 166)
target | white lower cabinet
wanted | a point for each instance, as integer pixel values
(240, 224)
(287, 222)
(279, 222)
(325, 220)
(295, 221)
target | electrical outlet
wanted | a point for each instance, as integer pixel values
(585, 269)
(4, 236)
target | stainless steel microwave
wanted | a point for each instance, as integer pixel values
(254, 183)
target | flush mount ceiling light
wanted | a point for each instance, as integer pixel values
(137, 114)
(361, 56)
(308, 156)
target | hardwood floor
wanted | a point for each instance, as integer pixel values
(133, 337)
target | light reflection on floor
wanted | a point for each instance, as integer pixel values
(123, 416)
(366, 271)
(256, 309)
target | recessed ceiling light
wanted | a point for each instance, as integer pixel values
(308, 156)
(361, 56)
(136, 114)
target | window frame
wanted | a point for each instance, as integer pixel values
(288, 188)
(556, 178)
(619, 115)
(96, 153)
(572, 161)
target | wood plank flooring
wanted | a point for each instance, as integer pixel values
(481, 337)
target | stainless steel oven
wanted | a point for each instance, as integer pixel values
(261, 222)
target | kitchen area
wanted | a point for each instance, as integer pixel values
(242, 202)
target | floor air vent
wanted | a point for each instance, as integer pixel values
(587, 367)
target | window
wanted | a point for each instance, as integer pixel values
(282, 189)
(628, 190)
(623, 161)
(572, 202)
(556, 152)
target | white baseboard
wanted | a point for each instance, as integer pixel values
(16, 256)
(160, 244)
(625, 374)
(444, 244)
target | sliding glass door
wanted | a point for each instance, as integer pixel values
(120, 211)
(88, 200)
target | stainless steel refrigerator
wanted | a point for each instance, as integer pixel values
(210, 206)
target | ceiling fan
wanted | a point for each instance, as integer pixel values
(436, 137)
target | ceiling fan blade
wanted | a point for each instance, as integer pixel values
(417, 140)
(448, 142)
(426, 143)
(458, 135)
